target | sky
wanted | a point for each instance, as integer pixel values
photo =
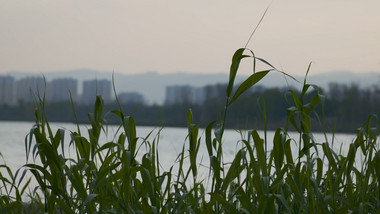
(170, 36)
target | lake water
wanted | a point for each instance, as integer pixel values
(171, 141)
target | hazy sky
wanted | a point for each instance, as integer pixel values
(171, 36)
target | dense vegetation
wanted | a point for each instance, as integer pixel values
(345, 108)
(122, 177)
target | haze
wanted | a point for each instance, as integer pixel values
(171, 36)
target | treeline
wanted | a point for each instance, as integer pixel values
(345, 108)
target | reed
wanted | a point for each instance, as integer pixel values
(119, 176)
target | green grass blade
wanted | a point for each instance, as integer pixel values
(247, 84)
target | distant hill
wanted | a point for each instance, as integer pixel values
(152, 84)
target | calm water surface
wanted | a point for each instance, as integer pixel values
(170, 141)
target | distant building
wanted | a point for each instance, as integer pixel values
(214, 91)
(7, 91)
(130, 97)
(58, 90)
(27, 87)
(184, 94)
(93, 88)
(193, 95)
(179, 94)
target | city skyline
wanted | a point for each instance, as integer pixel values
(196, 37)
(152, 85)
(14, 91)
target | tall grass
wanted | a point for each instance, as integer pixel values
(120, 176)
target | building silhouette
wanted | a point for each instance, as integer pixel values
(58, 90)
(130, 97)
(93, 88)
(29, 87)
(7, 91)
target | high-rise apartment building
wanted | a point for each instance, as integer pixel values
(180, 94)
(93, 88)
(26, 87)
(58, 90)
(193, 95)
(7, 91)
